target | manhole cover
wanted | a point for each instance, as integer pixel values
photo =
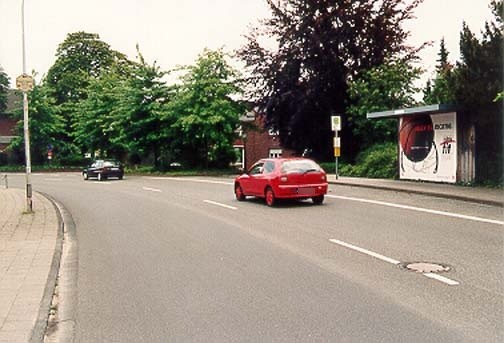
(425, 267)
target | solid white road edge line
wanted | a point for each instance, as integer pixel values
(383, 203)
(419, 209)
(365, 251)
(392, 261)
(443, 279)
(219, 204)
(151, 189)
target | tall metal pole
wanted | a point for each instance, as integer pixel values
(26, 130)
(336, 167)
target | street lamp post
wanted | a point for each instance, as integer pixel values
(26, 130)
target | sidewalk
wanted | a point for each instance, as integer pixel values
(489, 196)
(28, 267)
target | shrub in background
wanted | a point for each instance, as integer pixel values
(379, 161)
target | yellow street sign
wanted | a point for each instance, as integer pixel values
(24, 82)
(337, 151)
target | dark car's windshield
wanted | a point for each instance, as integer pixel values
(299, 166)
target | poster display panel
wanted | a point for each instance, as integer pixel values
(427, 147)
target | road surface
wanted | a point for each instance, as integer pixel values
(180, 260)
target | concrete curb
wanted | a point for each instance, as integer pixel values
(62, 329)
(38, 331)
(422, 192)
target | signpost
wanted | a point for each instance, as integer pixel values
(24, 82)
(336, 127)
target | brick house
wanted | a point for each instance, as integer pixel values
(7, 124)
(256, 141)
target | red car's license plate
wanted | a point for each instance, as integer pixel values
(306, 191)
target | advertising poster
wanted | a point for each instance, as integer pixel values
(427, 147)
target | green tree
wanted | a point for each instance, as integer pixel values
(4, 88)
(81, 57)
(140, 119)
(322, 46)
(100, 126)
(441, 90)
(478, 78)
(45, 124)
(479, 73)
(385, 87)
(205, 114)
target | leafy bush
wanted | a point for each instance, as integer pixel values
(3, 159)
(379, 161)
(329, 167)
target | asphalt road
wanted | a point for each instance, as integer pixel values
(180, 260)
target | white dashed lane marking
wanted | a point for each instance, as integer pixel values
(219, 204)
(152, 189)
(392, 261)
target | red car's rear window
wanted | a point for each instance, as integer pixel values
(299, 166)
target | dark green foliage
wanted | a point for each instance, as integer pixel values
(478, 78)
(322, 46)
(4, 88)
(379, 161)
(204, 114)
(479, 73)
(45, 124)
(441, 90)
(97, 125)
(4, 159)
(142, 123)
(385, 87)
(79, 59)
(81, 56)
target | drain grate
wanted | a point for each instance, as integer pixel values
(425, 267)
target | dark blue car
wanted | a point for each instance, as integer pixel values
(103, 169)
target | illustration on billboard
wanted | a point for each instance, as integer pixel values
(427, 147)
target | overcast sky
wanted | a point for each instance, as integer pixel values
(174, 32)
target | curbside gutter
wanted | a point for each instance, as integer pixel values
(56, 320)
(38, 331)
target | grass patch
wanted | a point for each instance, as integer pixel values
(38, 169)
(146, 170)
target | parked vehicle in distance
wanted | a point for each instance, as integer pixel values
(282, 178)
(103, 169)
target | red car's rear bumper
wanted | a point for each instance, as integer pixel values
(300, 191)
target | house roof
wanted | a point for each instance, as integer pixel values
(14, 101)
(6, 139)
(430, 109)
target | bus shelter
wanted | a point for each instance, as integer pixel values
(433, 144)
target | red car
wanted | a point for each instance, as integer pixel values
(283, 178)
